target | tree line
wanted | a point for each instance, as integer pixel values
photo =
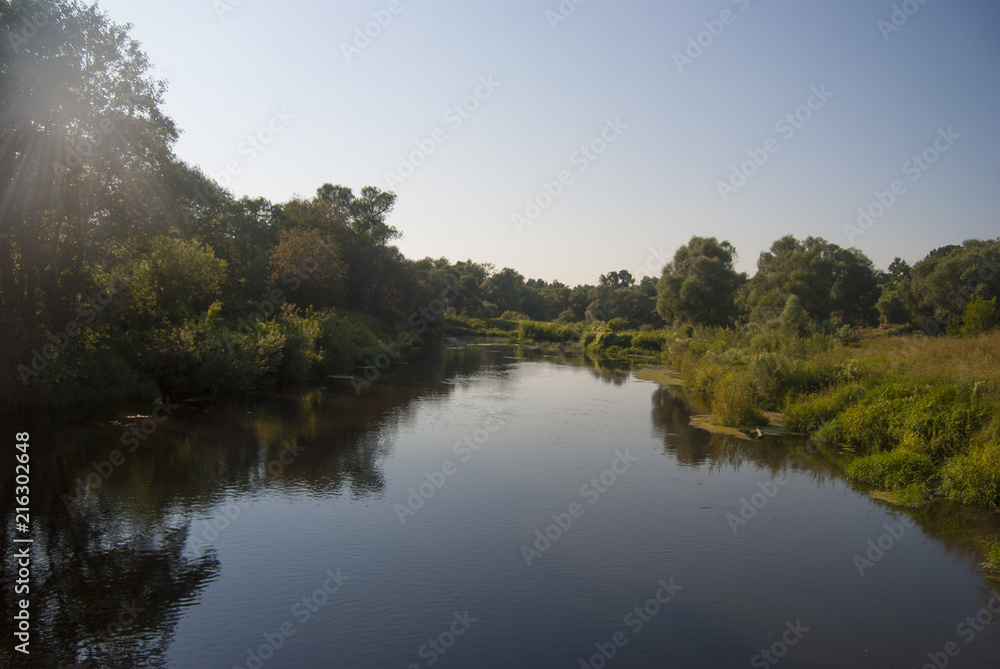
(120, 261)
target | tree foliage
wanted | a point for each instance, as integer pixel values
(700, 284)
(828, 280)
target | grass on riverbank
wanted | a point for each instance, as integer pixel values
(912, 415)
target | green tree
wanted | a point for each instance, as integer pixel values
(794, 318)
(700, 284)
(621, 279)
(306, 265)
(828, 280)
(505, 289)
(980, 315)
(169, 281)
(946, 280)
(85, 148)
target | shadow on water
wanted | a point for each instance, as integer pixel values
(112, 506)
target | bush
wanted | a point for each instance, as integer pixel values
(733, 400)
(810, 413)
(974, 477)
(545, 332)
(648, 341)
(617, 324)
(893, 470)
(979, 316)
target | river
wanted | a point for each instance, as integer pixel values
(486, 505)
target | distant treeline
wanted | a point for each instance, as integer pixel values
(125, 271)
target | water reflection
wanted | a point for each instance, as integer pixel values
(112, 516)
(113, 568)
(959, 529)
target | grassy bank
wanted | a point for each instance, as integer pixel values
(915, 416)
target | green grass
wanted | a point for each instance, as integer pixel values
(991, 551)
(553, 333)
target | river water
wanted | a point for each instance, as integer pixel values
(484, 506)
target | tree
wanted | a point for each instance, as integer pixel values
(828, 280)
(84, 150)
(172, 280)
(622, 279)
(946, 280)
(307, 266)
(699, 285)
(980, 315)
(505, 289)
(794, 318)
(893, 308)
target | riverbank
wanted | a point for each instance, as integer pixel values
(217, 355)
(913, 416)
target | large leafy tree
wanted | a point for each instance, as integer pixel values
(377, 275)
(307, 266)
(949, 277)
(505, 289)
(84, 148)
(828, 281)
(700, 284)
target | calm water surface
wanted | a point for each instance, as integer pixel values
(486, 506)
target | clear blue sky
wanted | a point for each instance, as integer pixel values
(657, 183)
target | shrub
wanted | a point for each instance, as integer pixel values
(545, 332)
(617, 324)
(979, 316)
(810, 413)
(648, 341)
(974, 477)
(733, 400)
(870, 425)
(991, 551)
(893, 470)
